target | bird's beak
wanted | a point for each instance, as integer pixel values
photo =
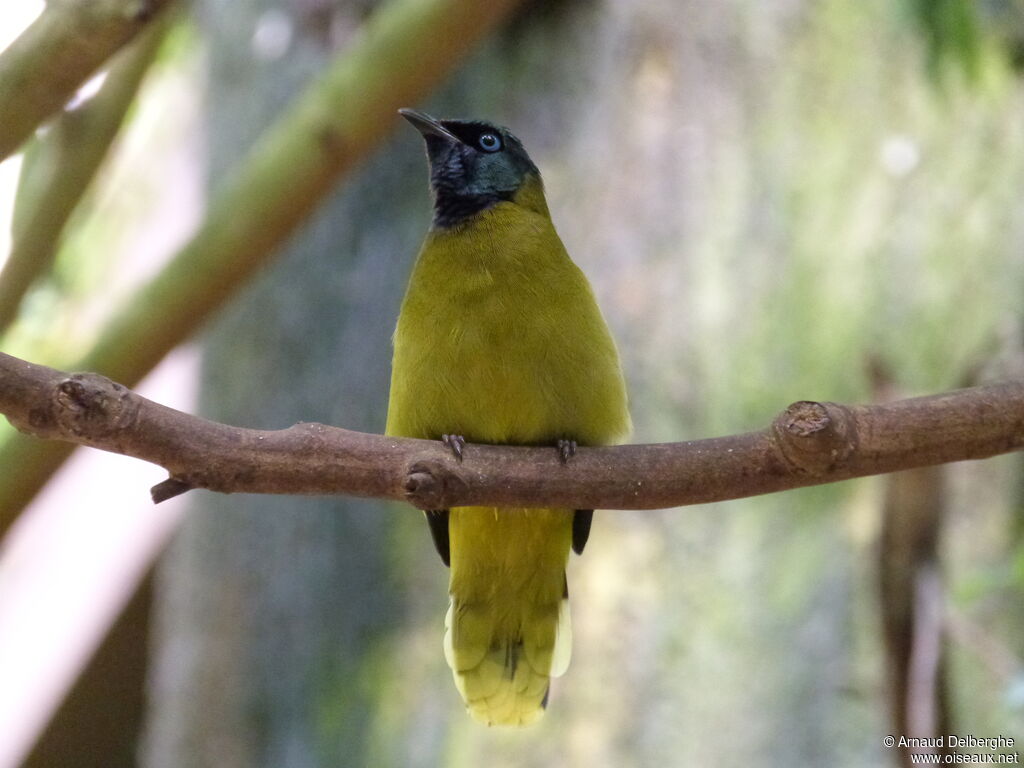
(427, 125)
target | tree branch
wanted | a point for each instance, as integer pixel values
(404, 50)
(807, 444)
(44, 67)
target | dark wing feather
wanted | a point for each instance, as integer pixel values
(437, 519)
(581, 529)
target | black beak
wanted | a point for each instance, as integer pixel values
(427, 125)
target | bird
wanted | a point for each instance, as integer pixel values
(500, 340)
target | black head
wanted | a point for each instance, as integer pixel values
(473, 165)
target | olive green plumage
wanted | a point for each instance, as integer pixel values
(500, 340)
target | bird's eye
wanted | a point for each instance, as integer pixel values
(489, 142)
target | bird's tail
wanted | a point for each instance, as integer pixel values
(508, 631)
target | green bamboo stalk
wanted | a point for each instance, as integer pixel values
(406, 49)
(69, 42)
(59, 166)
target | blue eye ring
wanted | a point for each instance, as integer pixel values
(489, 142)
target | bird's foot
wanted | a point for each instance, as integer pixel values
(566, 450)
(455, 444)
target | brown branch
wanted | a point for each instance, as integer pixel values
(807, 444)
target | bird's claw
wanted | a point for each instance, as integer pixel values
(455, 444)
(566, 450)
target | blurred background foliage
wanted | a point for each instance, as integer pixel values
(774, 201)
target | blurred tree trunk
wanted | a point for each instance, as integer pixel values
(275, 615)
(912, 597)
(912, 603)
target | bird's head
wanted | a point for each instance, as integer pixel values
(474, 166)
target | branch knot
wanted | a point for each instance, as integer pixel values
(428, 484)
(91, 406)
(814, 437)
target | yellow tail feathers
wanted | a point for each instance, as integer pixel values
(508, 629)
(508, 684)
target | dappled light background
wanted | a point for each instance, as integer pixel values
(78, 553)
(774, 201)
